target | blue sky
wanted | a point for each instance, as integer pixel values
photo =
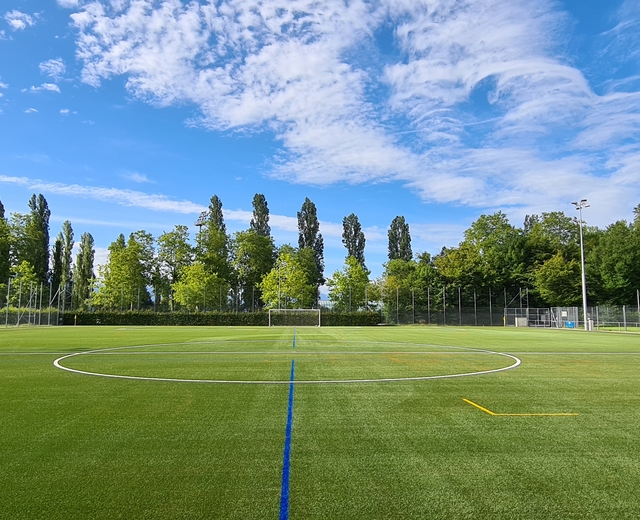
(131, 114)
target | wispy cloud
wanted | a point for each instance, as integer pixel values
(54, 68)
(68, 4)
(140, 178)
(18, 20)
(50, 87)
(153, 202)
(485, 87)
(133, 198)
(30, 111)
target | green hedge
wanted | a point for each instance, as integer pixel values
(329, 319)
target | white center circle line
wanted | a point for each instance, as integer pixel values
(467, 350)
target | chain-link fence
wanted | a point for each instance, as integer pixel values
(32, 303)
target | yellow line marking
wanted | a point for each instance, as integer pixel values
(478, 406)
(517, 414)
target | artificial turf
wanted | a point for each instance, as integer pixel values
(77, 446)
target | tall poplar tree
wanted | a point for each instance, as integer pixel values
(5, 264)
(66, 235)
(38, 232)
(260, 220)
(83, 271)
(213, 243)
(353, 238)
(56, 268)
(399, 240)
(309, 236)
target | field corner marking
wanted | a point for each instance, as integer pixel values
(478, 406)
(562, 414)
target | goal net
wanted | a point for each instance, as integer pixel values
(294, 317)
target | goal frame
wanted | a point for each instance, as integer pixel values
(295, 311)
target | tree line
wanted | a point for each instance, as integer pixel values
(247, 271)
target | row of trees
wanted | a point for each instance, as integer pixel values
(246, 270)
(242, 271)
(543, 256)
(26, 259)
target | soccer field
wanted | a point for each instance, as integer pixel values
(384, 422)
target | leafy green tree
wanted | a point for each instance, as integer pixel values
(5, 248)
(348, 288)
(399, 240)
(614, 263)
(83, 275)
(309, 236)
(353, 238)
(460, 266)
(290, 284)
(127, 273)
(66, 235)
(56, 268)
(558, 281)
(24, 280)
(549, 234)
(253, 258)
(197, 289)
(497, 246)
(30, 237)
(38, 231)
(260, 220)
(174, 254)
(212, 247)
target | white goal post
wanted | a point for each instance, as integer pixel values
(291, 317)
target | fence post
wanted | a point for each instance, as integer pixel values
(413, 306)
(459, 307)
(624, 316)
(29, 304)
(429, 305)
(444, 306)
(490, 310)
(397, 305)
(475, 308)
(6, 316)
(40, 312)
(19, 301)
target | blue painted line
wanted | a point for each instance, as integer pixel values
(284, 494)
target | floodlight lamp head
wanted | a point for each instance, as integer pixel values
(574, 203)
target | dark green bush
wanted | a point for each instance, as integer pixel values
(329, 319)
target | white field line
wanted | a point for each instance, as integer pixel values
(57, 364)
(280, 353)
(577, 353)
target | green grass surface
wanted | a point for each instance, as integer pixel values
(76, 446)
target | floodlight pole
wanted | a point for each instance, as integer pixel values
(579, 206)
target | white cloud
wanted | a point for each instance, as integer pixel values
(18, 21)
(69, 4)
(136, 177)
(54, 68)
(3, 85)
(484, 85)
(30, 111)
(64, 111)
(50, 87)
